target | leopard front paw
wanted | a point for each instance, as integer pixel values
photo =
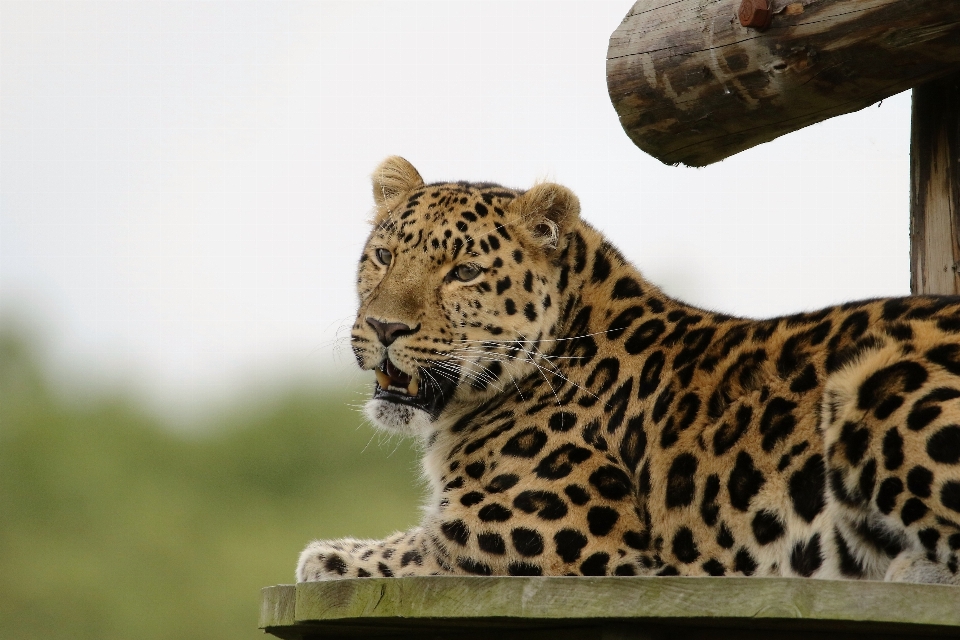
(322, 561)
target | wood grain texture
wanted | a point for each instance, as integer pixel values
(693, 86)
(935, 188)
(277, 606)
(656, 605)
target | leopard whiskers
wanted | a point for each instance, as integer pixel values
(555, 370)
(538, 354)
(340, 341)
(429, 379)
(444, 370)
(480, 375)
(502, 357)
(466, 369)
(473, 374)
(531, 355)
(495, 379)
(582, 335)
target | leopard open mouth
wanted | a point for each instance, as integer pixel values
(424, 390)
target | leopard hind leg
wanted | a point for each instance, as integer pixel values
(891, 427)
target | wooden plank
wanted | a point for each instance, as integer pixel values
(277, 606)
(935, 188)
(401, 606)
(692, 85)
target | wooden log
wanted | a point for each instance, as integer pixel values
(641, 608)
(692, 85)
(935, 188)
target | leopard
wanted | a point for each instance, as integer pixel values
(574, 420)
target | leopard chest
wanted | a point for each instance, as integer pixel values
(507, 486)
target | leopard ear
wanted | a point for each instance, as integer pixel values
(548, 212)
(393, 178)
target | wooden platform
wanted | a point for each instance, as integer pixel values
(609, 609)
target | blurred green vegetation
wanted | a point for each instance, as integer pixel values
(112, 526)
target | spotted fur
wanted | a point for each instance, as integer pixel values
(577, 421)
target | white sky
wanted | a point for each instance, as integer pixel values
(184, 185)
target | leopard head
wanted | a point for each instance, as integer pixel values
(458, 291)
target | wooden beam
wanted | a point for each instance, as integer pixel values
(693, 85)
(558, 608)
(935, 188)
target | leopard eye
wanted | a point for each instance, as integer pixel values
(466, 272)
(383, 256)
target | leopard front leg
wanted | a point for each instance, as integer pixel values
(402, 554)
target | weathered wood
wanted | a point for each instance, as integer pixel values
(277, 608)
(935, 188)
(611, 608)
(692, 85)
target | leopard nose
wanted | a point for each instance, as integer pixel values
(390, 331)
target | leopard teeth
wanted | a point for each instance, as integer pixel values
(383, 380)
(414, 387)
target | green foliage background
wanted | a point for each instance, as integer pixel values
(112, 526)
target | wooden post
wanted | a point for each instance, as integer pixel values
(696, 81)
(935, 188)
